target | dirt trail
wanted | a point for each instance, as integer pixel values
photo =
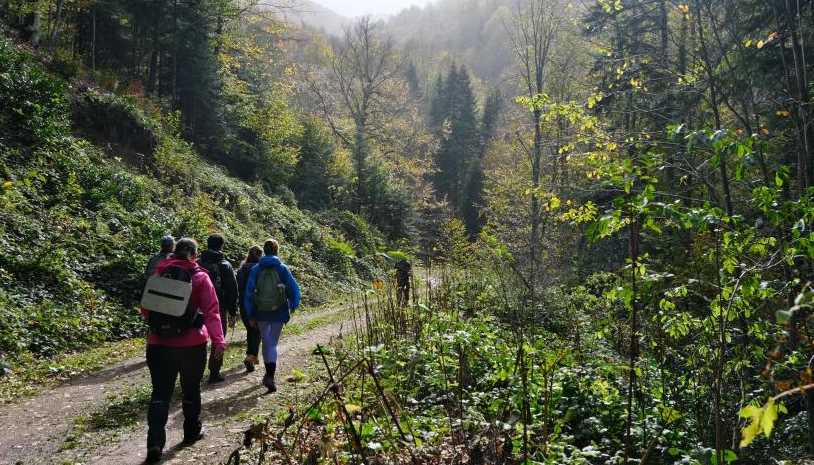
(34, 431)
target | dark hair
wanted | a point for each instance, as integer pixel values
(167, 243)
(255, 252)
(215, 242)
(185, 248)
(271, 247)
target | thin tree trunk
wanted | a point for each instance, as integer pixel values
(93, 41)
(798, 54)
(634, 335)
(714, 100)
(175, 51)
(360, 154)
(152, 73)
(56, 22)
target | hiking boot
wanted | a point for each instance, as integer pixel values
(249, 363)
(193, 438)
(153, 455)
(268, 380)
(215, 378)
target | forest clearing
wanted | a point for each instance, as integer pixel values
(471, 232)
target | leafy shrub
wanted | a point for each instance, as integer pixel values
(366, 239)
(33, 103)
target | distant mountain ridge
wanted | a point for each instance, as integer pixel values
(312, 14)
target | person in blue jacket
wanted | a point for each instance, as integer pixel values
(270, 323)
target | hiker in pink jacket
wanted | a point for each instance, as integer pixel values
(179, 347)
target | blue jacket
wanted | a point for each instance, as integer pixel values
(292, 290)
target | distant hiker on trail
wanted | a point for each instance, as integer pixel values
(404, 272)
(177, 344)
(271, 295)
(252, 333)
(167, 244)
(223, 278)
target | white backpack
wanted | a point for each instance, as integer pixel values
(166, 295)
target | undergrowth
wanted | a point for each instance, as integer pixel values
(458, 378)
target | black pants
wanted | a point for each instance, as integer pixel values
(165, 364)
(252, 335)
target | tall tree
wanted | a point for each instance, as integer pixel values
(365, 68)
(473, 191)
(460, 139)
(536, 25)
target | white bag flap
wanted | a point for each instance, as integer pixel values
(165, 295)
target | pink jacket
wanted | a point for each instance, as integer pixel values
(205, 299)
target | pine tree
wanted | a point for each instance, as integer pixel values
(313, 182)
(473, 193)
(460, 142)
(439, 104)
(413, 82)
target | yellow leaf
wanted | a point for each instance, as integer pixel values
(8, 185)
(783, 114)
(768, 418)
(752, 429)
(760, 44)
(761, 419)
(685, 9)
(353, 408)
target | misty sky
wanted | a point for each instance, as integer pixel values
(369, 7)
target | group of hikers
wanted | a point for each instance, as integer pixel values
(191, 299)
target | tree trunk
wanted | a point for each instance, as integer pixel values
(152, 73)
(56, 22)
(35, 28)
(535, 203)
(360, 155)
(175, 51)
(714, 100)
(805, 156)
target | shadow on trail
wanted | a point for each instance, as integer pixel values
(109, 374)
(226, 406)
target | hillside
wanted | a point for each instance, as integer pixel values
(311, 14)
(471, 32)
(92, 180)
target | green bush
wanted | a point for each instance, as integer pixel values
(33, 103)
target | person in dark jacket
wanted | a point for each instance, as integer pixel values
(167, 244)
(184, 354)
(271, 324)
(404, 274)
(223, 278)
(252, 334)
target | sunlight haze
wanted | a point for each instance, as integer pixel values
(352, 8)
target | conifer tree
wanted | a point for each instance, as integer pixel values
(460, 142)
(473, 193)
